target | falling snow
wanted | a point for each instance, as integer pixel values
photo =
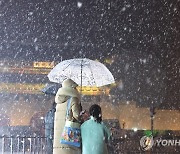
(139, 42)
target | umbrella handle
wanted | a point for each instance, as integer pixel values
(81, 74)
(81, 83)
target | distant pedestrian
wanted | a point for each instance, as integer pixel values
(94, 133)
(49, 128)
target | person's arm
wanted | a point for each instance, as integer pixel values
(84, 115)
(75, 108)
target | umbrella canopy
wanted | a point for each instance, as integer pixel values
(83, 71)
(51, 89)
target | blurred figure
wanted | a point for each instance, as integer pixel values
(49, 128)
(67, 91)
(94, 133)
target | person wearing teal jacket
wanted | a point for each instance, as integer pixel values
(94, 133)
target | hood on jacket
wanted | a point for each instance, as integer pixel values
(68, 90)
(69, 83)
(64, 94)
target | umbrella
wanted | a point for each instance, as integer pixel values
(51, 89)
(83, 71)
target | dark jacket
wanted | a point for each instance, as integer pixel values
(49, 122)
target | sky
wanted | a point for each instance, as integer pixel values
(142, 38)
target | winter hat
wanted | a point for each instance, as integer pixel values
(69, 83)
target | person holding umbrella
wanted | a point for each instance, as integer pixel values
(50, 89)
(49, 128)
(67, 91)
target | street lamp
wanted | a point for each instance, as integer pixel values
(152, 113)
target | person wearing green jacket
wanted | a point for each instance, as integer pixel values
(94, 133)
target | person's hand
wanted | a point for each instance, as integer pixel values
(84, 115)
(82, 112)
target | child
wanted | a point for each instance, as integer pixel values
(94, 133)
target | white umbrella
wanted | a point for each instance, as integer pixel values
(83, 71)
